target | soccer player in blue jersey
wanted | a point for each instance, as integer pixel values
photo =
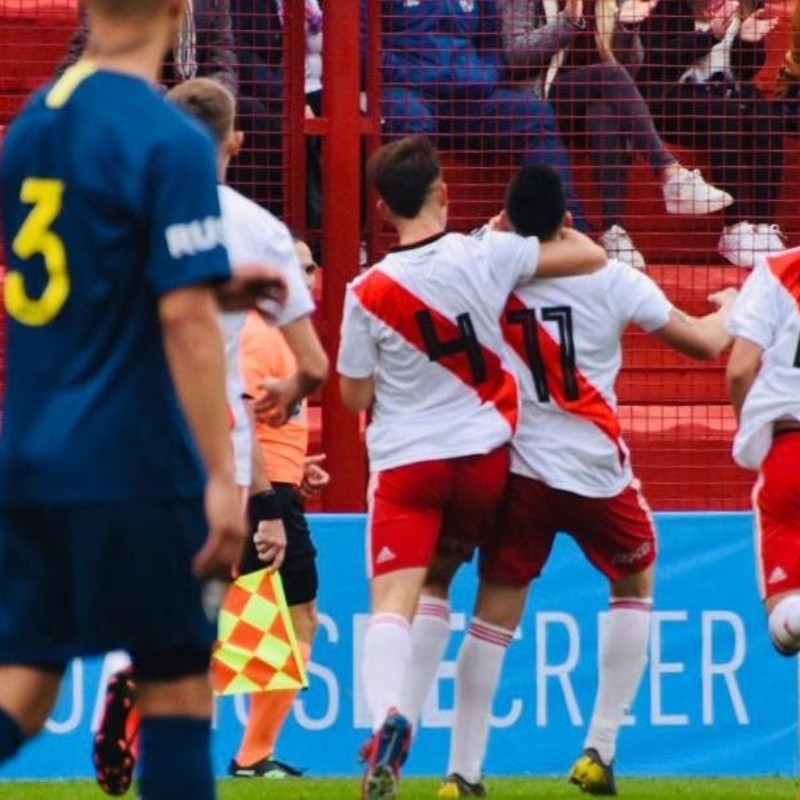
(117, 494)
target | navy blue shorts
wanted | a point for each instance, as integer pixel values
(81, 580)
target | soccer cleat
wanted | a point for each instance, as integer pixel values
(455, 785)
(592, 774)
(385, 754)
(687, 193)
(269, 768)
(116, 744)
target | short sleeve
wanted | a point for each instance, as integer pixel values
(277, 249)
(358, 353)
(260, 354)
(187, 241)
(638, 298)
(754, 316)
(513, 258)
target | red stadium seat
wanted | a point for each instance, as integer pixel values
(682, 455)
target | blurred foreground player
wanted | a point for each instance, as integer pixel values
(764, 384)
(295, 477)
(109, 522)
(253, 236)
(421, 345)
(571, 472)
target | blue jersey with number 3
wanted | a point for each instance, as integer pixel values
(109, 201)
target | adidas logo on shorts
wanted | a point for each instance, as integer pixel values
(777, 575)
(386, 554)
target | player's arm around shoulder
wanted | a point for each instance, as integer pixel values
(570, 253)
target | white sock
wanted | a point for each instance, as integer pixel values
(623, 656)
(480, 662)
(784, 624)
(387, 655)
(430, 633)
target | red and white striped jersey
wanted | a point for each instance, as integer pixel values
(767, 313)
(424, 322)
(565, 334)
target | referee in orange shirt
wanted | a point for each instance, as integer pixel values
(265, 357)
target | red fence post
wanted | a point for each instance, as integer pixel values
(341, 170)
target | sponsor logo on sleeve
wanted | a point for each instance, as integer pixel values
(193, 238)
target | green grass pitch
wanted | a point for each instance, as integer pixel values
(513, 789)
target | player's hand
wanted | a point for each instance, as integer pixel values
(500, 222)
(635, 12)
(226, 530)
(724, 299)
(254, 286)
(315, 478)
(757, 26)
(278, 402)
(270, 542)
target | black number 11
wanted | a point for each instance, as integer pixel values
(562, 316)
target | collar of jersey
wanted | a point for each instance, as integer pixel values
(401, 248)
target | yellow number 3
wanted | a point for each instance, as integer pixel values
(36, 238)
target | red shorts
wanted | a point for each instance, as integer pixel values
(776, 502)
(615, 533)
(445, 506)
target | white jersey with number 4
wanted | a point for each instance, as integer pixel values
(253, 236)
(767, 314)
(424, 322)
(565, 334)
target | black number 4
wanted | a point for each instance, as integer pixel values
(562, 316)
(466, 343)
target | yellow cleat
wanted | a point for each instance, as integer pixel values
(592, 775)
(455, 786)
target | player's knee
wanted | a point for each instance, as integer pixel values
(165, 665)
(784, 625)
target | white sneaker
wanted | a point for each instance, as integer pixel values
(773, 238)
(741, 243)
(616, 242)
(688, 193)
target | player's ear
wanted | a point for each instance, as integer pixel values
(443, 195)
(569, 222)
(234, 143)
(383, 210)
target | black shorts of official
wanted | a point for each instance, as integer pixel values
(299, 569)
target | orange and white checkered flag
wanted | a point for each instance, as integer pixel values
(257, 649)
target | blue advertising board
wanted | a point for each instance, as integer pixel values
(715, 699)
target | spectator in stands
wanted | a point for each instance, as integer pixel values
(204, 49)
(567, 59)
(443, 73)
(697, 77)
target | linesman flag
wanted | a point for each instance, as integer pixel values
(256, 650)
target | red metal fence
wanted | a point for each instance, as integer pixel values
(388, 72)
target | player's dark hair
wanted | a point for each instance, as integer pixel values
(535, 202)
(403, 173)
(208, 101)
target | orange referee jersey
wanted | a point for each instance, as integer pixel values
(264, 354)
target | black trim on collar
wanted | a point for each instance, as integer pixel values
(401, 248)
